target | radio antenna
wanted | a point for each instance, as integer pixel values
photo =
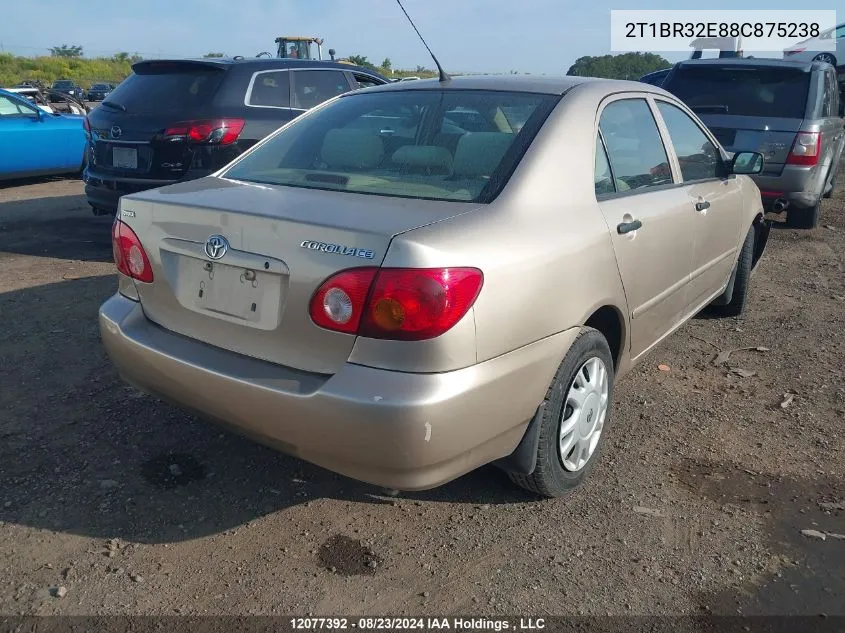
(443, 75)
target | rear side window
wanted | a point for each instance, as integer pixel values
(634, 146)
(172, 88)
(10, 107)
(397, 143)
(744, 91)
(698, 157)
(269, 89)
(312, 87)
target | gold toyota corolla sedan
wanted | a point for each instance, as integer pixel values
(413, 280)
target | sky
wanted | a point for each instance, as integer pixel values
(536, 36)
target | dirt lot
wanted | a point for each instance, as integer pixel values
(134, 507)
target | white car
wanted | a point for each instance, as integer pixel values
(820, 48)
(33, 95)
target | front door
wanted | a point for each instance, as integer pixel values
(714, 202)
(648, 216)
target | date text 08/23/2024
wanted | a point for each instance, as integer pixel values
(418, 623)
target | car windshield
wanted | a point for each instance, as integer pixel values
(100, 87)
(458, 145)
(748, 91)
(63, 84)
(167, 88)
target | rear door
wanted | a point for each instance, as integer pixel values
(650, 218)
(747, 107)
(714, 202)
(128, 128)
(268, 103)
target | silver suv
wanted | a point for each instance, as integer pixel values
(788, 111)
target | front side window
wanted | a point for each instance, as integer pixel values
(698, 156)
(394, 144)
(270, 89)
(312, 87)
(634, 146)
(365, 81)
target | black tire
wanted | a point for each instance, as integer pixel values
(808, 218)
(550, 478)
(741, 278)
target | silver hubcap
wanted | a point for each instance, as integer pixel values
(584, 413)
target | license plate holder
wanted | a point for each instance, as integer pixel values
(233, 291)
(124, 157)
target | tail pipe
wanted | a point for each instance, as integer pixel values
(780, 205)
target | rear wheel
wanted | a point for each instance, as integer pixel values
(575, 418)
(807, 218)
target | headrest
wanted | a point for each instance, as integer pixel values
(352, 149)
(479, 153)
(429, 157)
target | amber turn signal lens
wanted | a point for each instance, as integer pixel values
(388, 314)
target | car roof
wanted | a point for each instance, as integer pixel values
(259, 63)
(757, 62)
(9, 93)
(552, 85)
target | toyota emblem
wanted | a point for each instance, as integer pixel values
(115, 131)
(216, 246)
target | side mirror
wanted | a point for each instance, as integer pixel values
(747, 163)
(39, 114)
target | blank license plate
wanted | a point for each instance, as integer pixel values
(124, 157)
(228, 290)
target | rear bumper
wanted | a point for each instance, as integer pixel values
(800, 186)
(104, 190)
(393, 429)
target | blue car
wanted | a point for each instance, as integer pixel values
(34, 142)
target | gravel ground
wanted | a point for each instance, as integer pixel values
(112, 502)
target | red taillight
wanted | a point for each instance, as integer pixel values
(405, 304)
(806, 149)
(339, 303)
(129, 256)
(213, 131)
(795, 51)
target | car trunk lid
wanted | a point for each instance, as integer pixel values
(127, 129)
(283, 243)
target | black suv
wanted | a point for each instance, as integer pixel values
(68, 87)
(175, 120)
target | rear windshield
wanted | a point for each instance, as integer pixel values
(178, 89)
(431, 144)
(762, 92)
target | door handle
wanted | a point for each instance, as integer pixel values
(627, 227)
(702, 205)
